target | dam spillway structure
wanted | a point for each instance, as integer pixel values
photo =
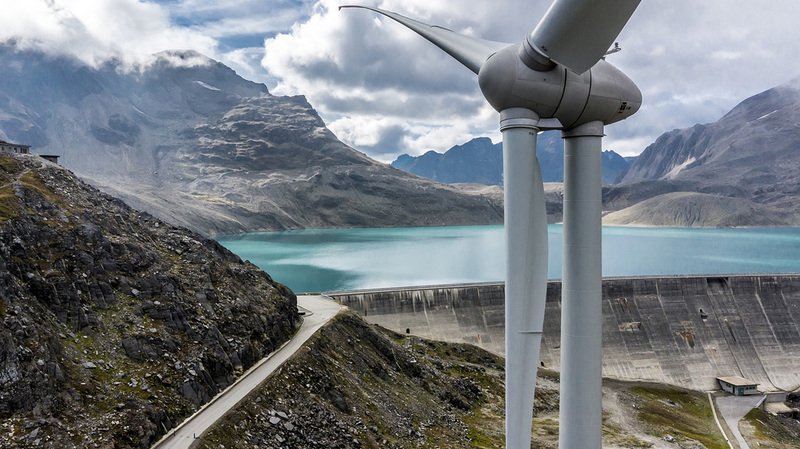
(678, 330)
(556, 78)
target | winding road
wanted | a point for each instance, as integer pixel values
(319, 310)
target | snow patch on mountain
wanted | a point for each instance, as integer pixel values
(208, 86)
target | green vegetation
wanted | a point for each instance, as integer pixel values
(12, 172)
(9, 204)
(128, 323)
(8, 166)
(406, 392)
(681, 413)
(614, 434)
(32, 181)
(770, 431)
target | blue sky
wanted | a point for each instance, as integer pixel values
(222, 17)
(385, 91)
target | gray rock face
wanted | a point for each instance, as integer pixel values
(114, 326)
(356, 387)
(480, 161)
(691, 209)
(197, 145)
(752, 148)
(747, 162)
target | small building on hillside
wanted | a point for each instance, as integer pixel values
(738, 386)
(50, 157)
(17, 148)
(8, 147)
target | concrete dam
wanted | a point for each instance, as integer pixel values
(682, 331)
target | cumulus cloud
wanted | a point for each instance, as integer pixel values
(385, 90)
(96, 31)
(694, 61)
(371, 77)
(238, 21)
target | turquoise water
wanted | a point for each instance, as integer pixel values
(338, 259)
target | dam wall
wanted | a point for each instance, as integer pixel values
(682, 331)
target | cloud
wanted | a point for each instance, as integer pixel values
(237, 18)
(377, 136)
(693, 61)
(371, 78)
(96, 31)
(375, 81)
(240, 27)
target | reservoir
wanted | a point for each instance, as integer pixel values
(313, 260)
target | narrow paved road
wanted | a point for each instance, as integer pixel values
(733, 409)
(320, 311)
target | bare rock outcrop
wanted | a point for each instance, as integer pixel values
(114, 326)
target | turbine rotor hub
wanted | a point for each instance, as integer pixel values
(602, 93)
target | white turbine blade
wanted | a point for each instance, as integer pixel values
(470, 51)
(526, 272)
(577, 33)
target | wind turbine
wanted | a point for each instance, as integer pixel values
(556, 78)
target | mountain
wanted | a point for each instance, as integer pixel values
(115, 326)
(553, 197)
(358, 385)
(691, 209)
(190, 141)
(753, 152)
(480, 161)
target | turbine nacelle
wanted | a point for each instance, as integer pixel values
(556, 72)
(602, 93)
(555, 79)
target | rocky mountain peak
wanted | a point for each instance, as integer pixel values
(190, 141)
(741, 169)
(183, 58)
(753, 146)
(767, 103)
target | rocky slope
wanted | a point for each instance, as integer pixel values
(690, 209)
(480, 161)
(360, 386)
(751, 153)
(193, 143)
(114, 326)
(553, 197)
(754, 145)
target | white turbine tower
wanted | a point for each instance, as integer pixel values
(555, 79)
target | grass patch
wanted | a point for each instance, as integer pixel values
(485, 426)
(10, 165)
(9, 204)
(613, 434)
(772, 432)
(683, 414)
(32, 181)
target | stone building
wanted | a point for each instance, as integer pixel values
(7, 147)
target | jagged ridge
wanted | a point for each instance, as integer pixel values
(480, 161)
(190, 141)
